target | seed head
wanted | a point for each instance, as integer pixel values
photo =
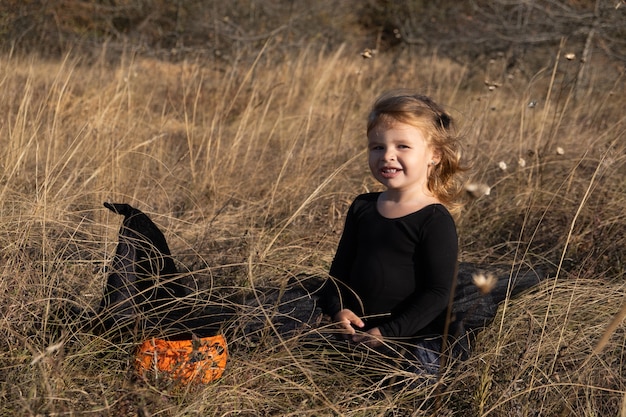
(477, 190)
(502, 165)
(491, 85)
(367, 53)
(484, 283)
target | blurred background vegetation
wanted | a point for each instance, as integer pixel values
(458, 29)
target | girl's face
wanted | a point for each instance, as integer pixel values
(400, 158)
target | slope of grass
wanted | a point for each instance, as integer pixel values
(249, 169)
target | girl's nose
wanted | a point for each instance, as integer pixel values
(390, 155)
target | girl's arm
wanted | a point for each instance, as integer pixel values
(336, 295)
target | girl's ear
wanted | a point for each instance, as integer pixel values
(436, 156)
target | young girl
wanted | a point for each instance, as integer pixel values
(395, 264)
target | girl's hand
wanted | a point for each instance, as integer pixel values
(372, 338)
(345, 319)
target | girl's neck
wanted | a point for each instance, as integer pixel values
(393, 204)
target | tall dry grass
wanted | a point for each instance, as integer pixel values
(248, 169)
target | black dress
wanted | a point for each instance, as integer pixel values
(396, 274)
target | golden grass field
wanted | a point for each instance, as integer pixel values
(249, 168)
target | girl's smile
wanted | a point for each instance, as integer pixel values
(388, 172)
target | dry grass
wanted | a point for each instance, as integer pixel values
(249, 169)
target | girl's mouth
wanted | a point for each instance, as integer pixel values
(389, 172)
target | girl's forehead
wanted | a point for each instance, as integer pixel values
(396, 127)
(388, 121)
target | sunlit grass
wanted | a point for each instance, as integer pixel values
(249, 170)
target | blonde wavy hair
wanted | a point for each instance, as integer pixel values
(408, 107)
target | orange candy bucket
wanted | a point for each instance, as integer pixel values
(198, 360)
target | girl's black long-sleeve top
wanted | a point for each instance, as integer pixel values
(396, 274)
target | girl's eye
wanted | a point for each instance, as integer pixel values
(376, 148)
(403, 146)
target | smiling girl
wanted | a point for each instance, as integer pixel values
(395, 264)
